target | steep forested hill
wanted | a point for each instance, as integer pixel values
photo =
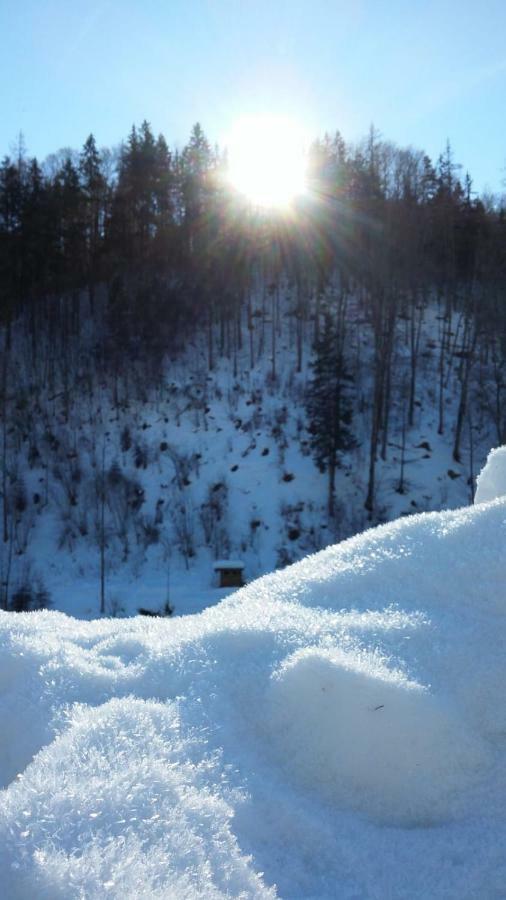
(145, 484)
(184, 378)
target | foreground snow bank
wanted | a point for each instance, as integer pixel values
(334, 730)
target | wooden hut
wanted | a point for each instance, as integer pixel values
(230, 572)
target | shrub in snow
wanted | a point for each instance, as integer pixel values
(184, 464)
(147, 532)
(214, 517)
(20, 587)
(141, 456)
(33, 453)
(283, 557)
(183, 521)
(68, 474)
(491, 482)
(19, 497)
(125, 439)
(30, 595)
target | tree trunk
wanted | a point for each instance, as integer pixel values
(471, 457)
(210, 359)
(4, 441)
(251, 337)
(273, 332)
(375, 427)
(331, 488)
(102, 534)
(469, 359)
(415, 335)
(401, 485)
(299, 325)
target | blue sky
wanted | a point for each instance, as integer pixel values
(421, 70)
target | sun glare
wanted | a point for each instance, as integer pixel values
(266, 160)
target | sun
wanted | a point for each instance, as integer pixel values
(266, 160)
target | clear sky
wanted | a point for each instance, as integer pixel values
(421, 70)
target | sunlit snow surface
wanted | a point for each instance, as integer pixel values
(334, 730)
(491, 482)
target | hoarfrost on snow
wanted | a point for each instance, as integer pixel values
(332, 730)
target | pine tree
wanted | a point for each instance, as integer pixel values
(164, 201)
(11, 205)
(67, 197)
(196, 163)
(328, 406)
(35, 237)
(94, 189)
(124, 224)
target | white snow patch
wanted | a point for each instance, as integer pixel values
(491, 482)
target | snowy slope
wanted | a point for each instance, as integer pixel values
(237, 435)
(335, 730)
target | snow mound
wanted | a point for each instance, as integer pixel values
(370, 739)
(491, 482)
(335, 730)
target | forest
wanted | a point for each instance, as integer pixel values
(388, 270)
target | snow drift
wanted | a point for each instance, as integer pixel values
(333, 730)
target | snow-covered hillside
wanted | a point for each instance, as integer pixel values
(217, 463)
(334, 731)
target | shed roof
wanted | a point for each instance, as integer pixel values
(228, 564)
